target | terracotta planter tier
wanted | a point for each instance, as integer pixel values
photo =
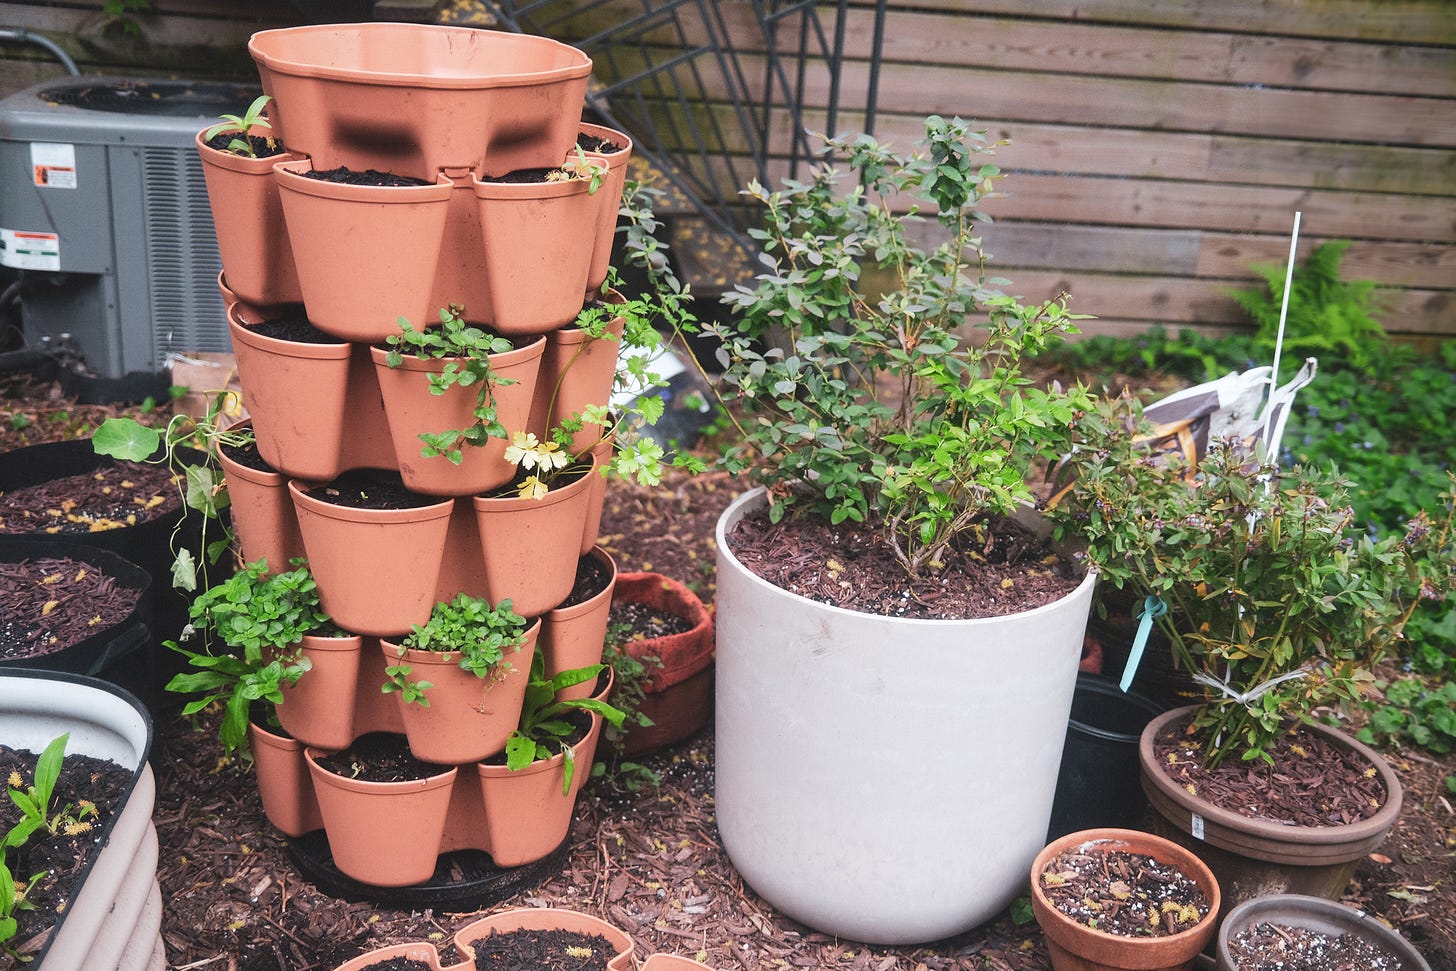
(414, 98)
(262, 515)
(538, 239)
(546, 918)
(1077, 947)
(573, 637)
(576, 371)
(311, 707)
(469, 718)
(1256, 857)
(283, 782)
(248, 216)
(425, 954)
(410, 408)
(366, 255)
(616, 181)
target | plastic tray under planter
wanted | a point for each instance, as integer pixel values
(118, 653)
(115, 917)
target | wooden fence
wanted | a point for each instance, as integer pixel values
(1158, 148)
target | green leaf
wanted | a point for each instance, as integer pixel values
(125, 438)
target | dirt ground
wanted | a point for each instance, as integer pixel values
(649, 861)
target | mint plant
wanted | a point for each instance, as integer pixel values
(470, 626)
(543, 726)
(864, 395)
(259, 618)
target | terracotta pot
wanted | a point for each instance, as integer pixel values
(283, 782)
(532, 545)
(425, 954)
(1257, 857)
(576, 370)
(469, 718)
(415, 98)
(547, 918)
(376, 569)
(679, 694)
(1326, 917)
(526, 813)
(296, 394)
(602, 453)
(671, 962)
(386, 834)
(366, 255)
(251, 238)
(411, 408)
(573, 637)
(538, 239)
(318, 708)
(612, 190)
(262, 515)
(1077, 947)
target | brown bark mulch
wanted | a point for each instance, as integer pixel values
(50, 603)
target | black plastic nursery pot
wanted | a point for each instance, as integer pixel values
(1098, 786)
(120, 653)
(148, 543)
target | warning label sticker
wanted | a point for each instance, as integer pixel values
(53, 165)
(30, 251)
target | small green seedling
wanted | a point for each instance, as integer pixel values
(250, 119)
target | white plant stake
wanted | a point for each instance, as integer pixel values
(1284, 310)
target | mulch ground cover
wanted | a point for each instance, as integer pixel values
(649, 861)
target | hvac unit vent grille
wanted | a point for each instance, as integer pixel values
(183, 264)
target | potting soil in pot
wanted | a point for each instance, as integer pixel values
(47, 604)
(378, 757)
(1128, 894)
(114, 495)
(527, 949)
(1269, 946)
(85, 797)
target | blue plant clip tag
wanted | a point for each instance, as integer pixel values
(1153, 608)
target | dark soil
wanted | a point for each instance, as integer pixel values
(851, 566)
(399, 964)
(371, 489)
(247, 456)
(293, 326)
(263, 146)
(542, 950)
(1311, 783)
(524, 176)
(60, 857)
(379, 757)
(1278, 947)
(48, 604)
(344, 175)
(592, 577)
(1122, 893)
(601, 146)
(643, 622)
(115, 495)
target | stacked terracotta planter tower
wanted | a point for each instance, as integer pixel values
(458, 109)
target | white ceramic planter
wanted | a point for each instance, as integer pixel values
(114, 922)
(883, 779)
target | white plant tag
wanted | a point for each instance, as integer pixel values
(1197, 826)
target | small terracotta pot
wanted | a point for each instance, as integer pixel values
(547, 918)
(251, 238)
(538, 239)
(366, 255)
(601, 453)
(611, 190)
(386, 834)
(318, 709)
(411, 409)
(573, 637)
(526, 813)
(283, 782)
(1256, 857)
(532, 545)
(576, 370)
(469, 718)
(671, 962)
(1326, 917)
(296, 395)
(425, 954)
(262, 515)
(376, 569)
(1076, 947)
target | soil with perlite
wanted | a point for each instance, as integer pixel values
(649, 861)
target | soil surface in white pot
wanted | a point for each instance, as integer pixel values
(50, 603)
(1310, 783)
(851, 566)
(528, 949)
(60, 856)
(115, 495)
(1123, 893)
(1271, 946)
